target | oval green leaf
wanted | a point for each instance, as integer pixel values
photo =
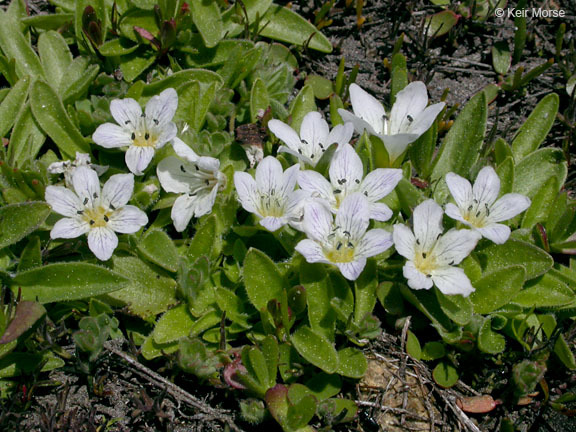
(262, 279)
(19, 220)
(315, 348)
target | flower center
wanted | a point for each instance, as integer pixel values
(341, 248)
(425, 262)
(271, 205)
(97, 217)
(477, 214)
(144, 139)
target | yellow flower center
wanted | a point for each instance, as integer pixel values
(144, 139)
(271, 205)
(477, 214)
(425, 262)
(97, 217)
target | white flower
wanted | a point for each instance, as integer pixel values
(271, 196)
(346, 173)
(478, 206)
(68, 167)
(409, 117)
(314, 139)
(143, 132)
(197, 178)
(343, 242)
(97, 214)
(431, 255)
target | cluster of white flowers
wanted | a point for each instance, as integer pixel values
(333, 213)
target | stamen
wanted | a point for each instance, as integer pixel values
(357, 181)
(182, 168)
(337, 191)
(451, 262)
(410, 119)
(111, 206)
(156, 121)
(192, 194)
(95, 195)
(146, 136)
(350, 245)
(339, 246)
(424, 255)
(365, 193)
(418, 242)
(133, 136)
(85, 201)
(127, 121)
(347, 233)
(80, 211)
(300, 150)
(106, 218)
(143, 115)
(470, 208)
(92, 222)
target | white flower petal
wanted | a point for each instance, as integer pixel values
(167, 134)
(359, 125)
(454, 212)
(354, 215)
(305, 159)
(247, 191)
(313, 131)
(410, 102)
(380, 212)
(315, 184)
(380, 183)
(138, 158)
(487, 186)
(294, 207)
(368, 108)
(175, 175)
(208, 163)
(427, 223)
(289, 180)
(269, 175)
(461, 190)
(416, 279)
(182, 211)
(452, 280)
(58, 167)
(374, 242)
(312, 251)
(102, 241)
(118, 190)
(351, 270)
(404, 241)
(454, 246)
(109, 135)
(396, 145)
(184, 151)
(498, 233)
(317, 223)
(86, 184)
(346, 168)
(69, 228)
(273, 223)
(285, 133)
(127, 220)
(162, 107)
(508, 206)
(425, 119)
(341, 134)
(205, 202)
(126, 112)
(63, 201)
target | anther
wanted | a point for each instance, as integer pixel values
(424, 255)
(146, 136)
(337, 191)
(339, 246)
(106, 218)
(182, 168)
(95, 195)
(133, 136)
(80, 211)
(410, 119)
(85, 201)
(156, 121)
(350, 245)
(92, 222)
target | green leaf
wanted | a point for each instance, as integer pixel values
(173, 325)
(413, 347)
(79, 87)
(31, 256)
(456, 307)
(149, 291)
(324, 386)
(351, 363)
(315, 348)
(259, 99)
(535, 169)
(564, 353)
(322, 87)
(117, 47)
(10, 106)
(262, 279)
(496, 289)
(19, 220)
(422, 150)
(158, 247)
(233, 18)
(67, 281)
(194, 102)
(138, 18)
(16, 46)
(546, 291)
(365, 292)
(399, 76)
(178, 79)
(440, 23)
(25, 316)
(541, 204)
(461, 146)
(318, 295)
(344, 410)
(134, 64)
(501, 57)
(283, 24)
(16, 363)
(203, 241)
(515, 252)
(433, 351)
(206, 17)
(53, 119)
(26, 139)
(55, 56)
(505, 172)
(488, 340)
(49, 21)
(301, 407)
(302, 105)
(445, 375)
(533, 132)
